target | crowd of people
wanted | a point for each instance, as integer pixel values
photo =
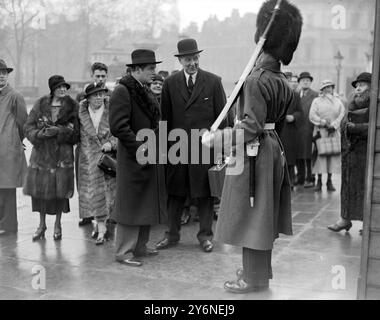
(303, 134)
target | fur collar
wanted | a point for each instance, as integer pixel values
(68, 109)
(143, 98)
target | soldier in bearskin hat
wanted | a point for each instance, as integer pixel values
(264, 101)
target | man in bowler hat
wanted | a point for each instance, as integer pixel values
(191, 99)
(137, 203)
(305, 132)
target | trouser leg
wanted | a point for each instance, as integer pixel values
(310, 176)
(175, 209)
(206, 217)
(300, 171)
(142, 240)
(291, 174)
(257, 266)
(126, 240)
(8, 210)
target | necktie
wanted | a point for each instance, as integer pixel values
(190, 85)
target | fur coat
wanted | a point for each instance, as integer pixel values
(50, 174)
(96, 189)
(354, 155)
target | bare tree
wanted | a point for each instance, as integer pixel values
(17, 17)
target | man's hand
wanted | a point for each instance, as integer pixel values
(208, 139)
(107, 147)
(290, 118)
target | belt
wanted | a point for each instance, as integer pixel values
(269, 126)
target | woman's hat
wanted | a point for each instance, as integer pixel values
(3, 66)
(327, 83)
(56, 81)
(363, 77)
(92, 89)
(157, 77)
(187, 47)
(143, 56)
(305, 75)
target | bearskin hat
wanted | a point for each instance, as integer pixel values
(285, 32)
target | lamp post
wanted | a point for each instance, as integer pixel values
(338, 64)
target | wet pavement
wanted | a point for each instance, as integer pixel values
(303, 264)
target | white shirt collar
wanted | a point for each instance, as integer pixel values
(193, 76)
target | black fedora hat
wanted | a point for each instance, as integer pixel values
(187, 47)
(92, 88)
(57, 81)
(363, 77)
(3, 66)
(143, 56)
(305, 75)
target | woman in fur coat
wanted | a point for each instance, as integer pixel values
(96, 189)
(53, 128)
(354, 154)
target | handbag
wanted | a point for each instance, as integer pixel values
(329, 146)
(216, 175)
(107, 163)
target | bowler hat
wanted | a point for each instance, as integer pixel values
(3, 66)
(363, 77)
(288, 74)
(143, 56)
(57, 81)
(305, 75)
(187, 47)
(93, 88)
(327, 83)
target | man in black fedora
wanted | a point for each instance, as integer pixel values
(191, 99)
(305, 132)
(137, 203)
(13, 116)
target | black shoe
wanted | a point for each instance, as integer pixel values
(85, 222)
(57, 235)
(335, 227)
(309, 184)
(240, 286)
(165, 243)
(132, 262)
(330, 186)
(318, 187)
(147, 253)
(207, 246)
(39, 234)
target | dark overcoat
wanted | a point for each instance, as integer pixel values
(12, 119)
(354, 155)
(198, 111)
(50, 174)
(289, 132)
(132, 108)
(265, 98)
(305, 128)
